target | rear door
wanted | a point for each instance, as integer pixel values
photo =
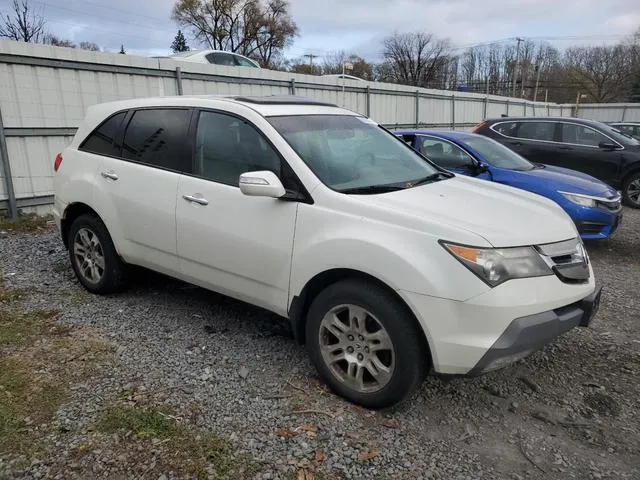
(580, 151)
(534, 140)
(138, 186)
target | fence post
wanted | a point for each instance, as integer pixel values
(368, 101)
(507, 114)
(6, 171)
(417, 108)
(486, 106)
(524, 105)
(453, 111)
(624, 113)
(292, 86)
(179, 80)
(549, 111)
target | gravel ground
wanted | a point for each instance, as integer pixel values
(569, 411)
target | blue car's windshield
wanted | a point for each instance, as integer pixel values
(496, 154)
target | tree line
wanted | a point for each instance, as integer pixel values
(264, 29)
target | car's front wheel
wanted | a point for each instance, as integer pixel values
(631, 190)
(93, 256)
(365, 344)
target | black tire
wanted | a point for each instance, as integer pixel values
(411, 352)
(115, 272)
(632, 180)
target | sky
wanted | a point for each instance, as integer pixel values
(144, 27)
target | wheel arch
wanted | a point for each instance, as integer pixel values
(300, 304)
(73, 211)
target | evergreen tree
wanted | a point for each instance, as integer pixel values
(179, 43)
(122, 50)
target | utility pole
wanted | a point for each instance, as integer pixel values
(515, 67)
(535, 92)
(311, 57)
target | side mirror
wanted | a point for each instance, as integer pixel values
(262, 183)
(481, 168)
(608, 146)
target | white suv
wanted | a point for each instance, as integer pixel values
(386, 265)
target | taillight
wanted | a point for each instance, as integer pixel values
(479, 127)
(57, 162)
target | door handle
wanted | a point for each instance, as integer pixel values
(196, 199)
(110, 175)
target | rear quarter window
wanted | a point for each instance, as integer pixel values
(102, 141)
(508, 129)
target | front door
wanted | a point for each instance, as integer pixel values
(228, 242)
(449, 156)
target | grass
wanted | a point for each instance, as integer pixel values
(28, 223)
(39, 360)
(186, 449)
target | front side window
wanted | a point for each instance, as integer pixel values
(102, 141)
(349, 152)
(227, 147)
(222, 59)
(443, 153)
(243, 62)
(582, 135)
(496, 154)
(537, 131)
(158, 137)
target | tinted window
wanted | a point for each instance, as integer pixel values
(222, 59)
(443, 153)
(226, 147)
(102, 140)
(348, 152)
(537, 130)
(158, 137)
(582, 135)
(243, 62)
(508, 128)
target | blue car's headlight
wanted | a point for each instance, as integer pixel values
(582, 200)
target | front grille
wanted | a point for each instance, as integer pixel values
(611, 206)
(568, 260)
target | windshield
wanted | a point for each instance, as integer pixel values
(347, 152)
(621, 137)
(496, 154)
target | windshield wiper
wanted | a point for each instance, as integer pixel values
(434, 177)
(372, 189)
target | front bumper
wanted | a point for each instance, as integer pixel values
(596, 223)
(528, 334)
(460, 333)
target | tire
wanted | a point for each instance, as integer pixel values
(631, 190)
(407, 360)
(89, 239)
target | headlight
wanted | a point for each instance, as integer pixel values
(497, 265)
(578, 199)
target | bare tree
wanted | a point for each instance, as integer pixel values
(414, 58)
(251, 27)
(22, 23)
(334, 61)
(92, 47)
(603, 73)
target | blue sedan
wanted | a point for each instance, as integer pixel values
(594, 206)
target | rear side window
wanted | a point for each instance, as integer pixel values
(537, 130)
(444, 154)
(508, 129)
(158, 137)
(102, 141)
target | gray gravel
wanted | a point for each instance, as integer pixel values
(569, 411)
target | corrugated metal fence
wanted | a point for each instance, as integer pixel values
(45, 90)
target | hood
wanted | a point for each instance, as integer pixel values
(503, 216)
(558, 178)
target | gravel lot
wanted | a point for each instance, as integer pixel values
(569, 411)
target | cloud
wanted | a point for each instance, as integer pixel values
(145, 26)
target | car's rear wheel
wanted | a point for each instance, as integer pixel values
(631, 190)
(365, 344)
(93, 256)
